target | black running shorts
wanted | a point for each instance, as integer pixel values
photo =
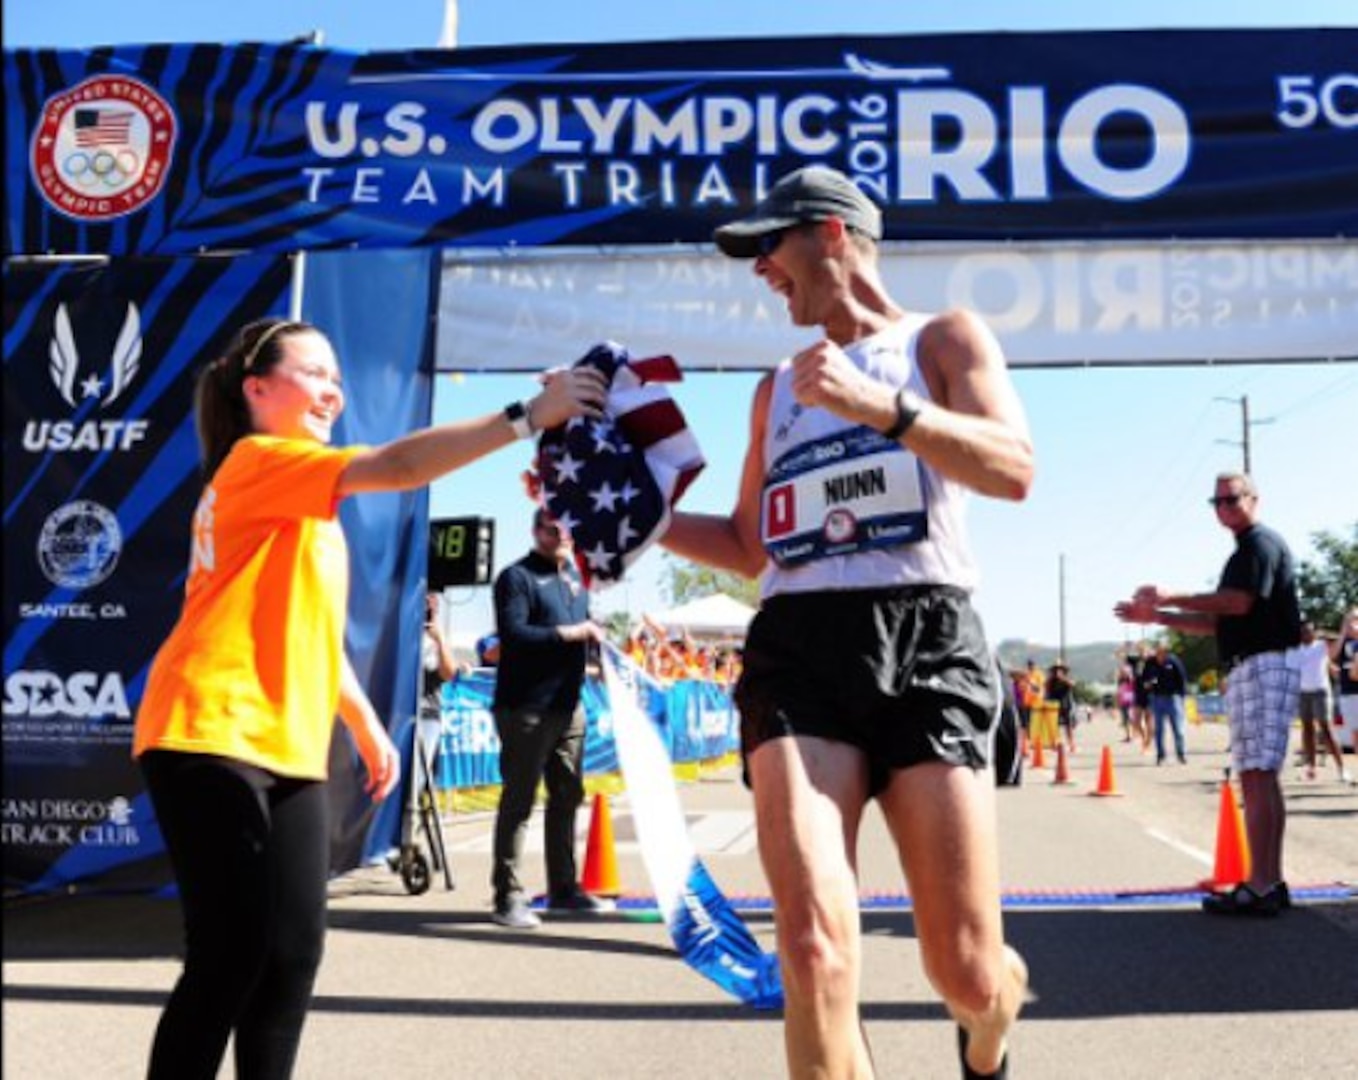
(904, 674)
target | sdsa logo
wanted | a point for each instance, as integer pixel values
(85, 695)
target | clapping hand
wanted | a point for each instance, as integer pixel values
(1141, 608)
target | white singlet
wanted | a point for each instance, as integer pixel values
(845, 508)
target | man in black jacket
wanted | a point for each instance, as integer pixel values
(542, 619)
(1168, 682)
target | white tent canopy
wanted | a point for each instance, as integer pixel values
(716, 616)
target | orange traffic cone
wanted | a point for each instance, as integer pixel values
(1062, 766)
(1038, 761)
(1232, 863)
(1108, 784)
(601, 861)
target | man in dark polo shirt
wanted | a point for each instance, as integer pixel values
(542, 619)
(1256, 617)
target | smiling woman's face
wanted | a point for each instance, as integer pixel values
(300, 397)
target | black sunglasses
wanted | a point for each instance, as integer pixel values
(1225, 500)
(766, 245)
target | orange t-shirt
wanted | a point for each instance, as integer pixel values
(1034, 687)
(251, 671)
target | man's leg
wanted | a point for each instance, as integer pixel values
(942, 818)
(1177, 718)
(1308, 734)
(523, 752)
(1326, 737)
(565, 791)
(809, 795)
(1265, 818)
(1160, 710)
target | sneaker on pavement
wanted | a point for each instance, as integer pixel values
(516, 915)
(578, 902)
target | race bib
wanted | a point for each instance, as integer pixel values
(854, 491)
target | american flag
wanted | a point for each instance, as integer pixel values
(102, 127)
(612, 482)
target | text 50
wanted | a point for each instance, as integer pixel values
(1305, 99)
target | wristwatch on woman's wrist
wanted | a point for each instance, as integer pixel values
(516, 413)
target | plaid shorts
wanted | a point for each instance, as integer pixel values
(1261, 700)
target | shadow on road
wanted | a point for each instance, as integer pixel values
(1084, 964)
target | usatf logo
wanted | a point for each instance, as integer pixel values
(65, 361)
(78, 387)
(79, 545)
(102, 150)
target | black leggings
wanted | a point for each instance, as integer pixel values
(250, 855)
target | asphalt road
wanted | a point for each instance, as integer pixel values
(1130, 980)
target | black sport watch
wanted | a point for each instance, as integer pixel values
(908, 406)
(516, 413)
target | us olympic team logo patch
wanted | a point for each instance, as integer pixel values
(102, 149)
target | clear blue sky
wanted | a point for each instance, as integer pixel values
(1126, 457)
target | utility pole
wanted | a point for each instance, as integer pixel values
(1245, 424)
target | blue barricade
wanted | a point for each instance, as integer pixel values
(1211, 705)
(698, 720)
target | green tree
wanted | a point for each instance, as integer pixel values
(1329, 583)
(688, 581)
(1197, 651)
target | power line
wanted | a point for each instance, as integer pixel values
(1315, 396)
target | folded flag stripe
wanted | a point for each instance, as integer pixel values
(649, 422)
(654, 369)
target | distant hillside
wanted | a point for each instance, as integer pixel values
(1092, 663)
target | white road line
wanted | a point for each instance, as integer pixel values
(1178, 845)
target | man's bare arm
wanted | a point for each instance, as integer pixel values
(730, 542)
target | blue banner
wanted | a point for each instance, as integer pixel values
(372, 306)
(101, 478)
(167, 149)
